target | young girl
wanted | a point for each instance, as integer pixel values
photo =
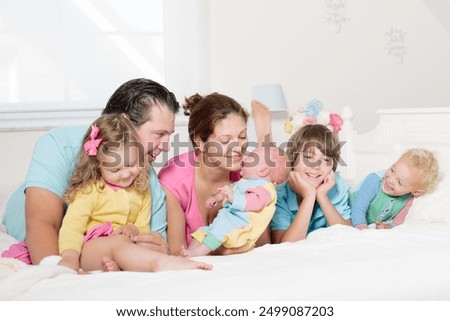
(109, 204)
(314, 196)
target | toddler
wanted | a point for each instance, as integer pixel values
(385, 198)
(109, 204)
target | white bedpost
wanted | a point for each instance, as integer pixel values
(347, 166)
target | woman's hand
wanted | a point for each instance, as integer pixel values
(213, 201)
(227, 192)
(153, 241)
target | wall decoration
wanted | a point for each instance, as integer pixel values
(396, 44)
(335, 13)
(311, 114)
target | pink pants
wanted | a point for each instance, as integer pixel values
(20, 250)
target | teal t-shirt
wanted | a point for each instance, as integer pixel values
(287, 206)
(53, 161)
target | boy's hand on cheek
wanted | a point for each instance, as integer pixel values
(327, 185)
(301, 186)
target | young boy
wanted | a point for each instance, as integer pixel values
(385, 199)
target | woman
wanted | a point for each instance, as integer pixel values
(218, 132)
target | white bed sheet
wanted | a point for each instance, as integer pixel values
(411, 262)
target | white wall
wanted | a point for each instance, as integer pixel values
(231, 45)
(16, 149)
(187, 47)
(344, 61)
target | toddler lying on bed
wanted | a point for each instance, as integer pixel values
(249, 204)
(385, 198)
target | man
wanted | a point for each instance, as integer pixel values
(35, 210)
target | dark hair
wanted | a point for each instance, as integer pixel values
(136, 97)
(318, 136)
(205, 112)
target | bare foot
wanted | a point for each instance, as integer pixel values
(194, 249)
(171, 262)
(261, 117)
(109, 265)
(184, 252)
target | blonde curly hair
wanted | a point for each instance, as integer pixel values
(426, 164)
(113, 129)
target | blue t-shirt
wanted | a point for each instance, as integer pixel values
(287, 206)
(54, 157)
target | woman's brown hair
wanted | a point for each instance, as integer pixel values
(205, 112)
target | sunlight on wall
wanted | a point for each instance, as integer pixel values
(79, 52)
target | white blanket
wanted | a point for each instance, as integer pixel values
(410, 262)
(16, 277)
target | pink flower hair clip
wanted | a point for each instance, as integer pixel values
(312, 114)
(90, 147)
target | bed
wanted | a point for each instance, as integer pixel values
(410, 262)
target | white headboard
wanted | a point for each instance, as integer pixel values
(397, 130)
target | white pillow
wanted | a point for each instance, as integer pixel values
(432, 207)
(8, 191)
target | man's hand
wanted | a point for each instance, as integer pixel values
(129, 230)
(153, 241)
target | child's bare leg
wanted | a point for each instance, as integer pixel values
(261, 117)
(170, 262)
(195, 249)
(109, 265)
(95, 250)
(132, 257)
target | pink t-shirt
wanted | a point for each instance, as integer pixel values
(178, 176)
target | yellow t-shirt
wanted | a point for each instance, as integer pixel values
(98, 203)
